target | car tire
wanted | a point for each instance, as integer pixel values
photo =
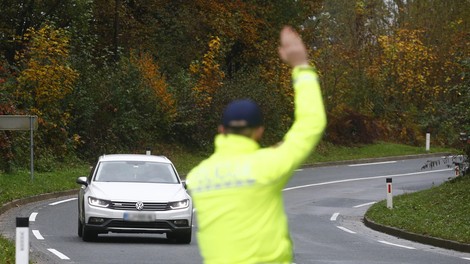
(180, 238)
(80, 228)
(88, 235)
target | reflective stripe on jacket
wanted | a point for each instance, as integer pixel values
(237, 191)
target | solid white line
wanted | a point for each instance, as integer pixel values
(58, 254)
(63, 201)
(466, 258)
(372, 163)
(365, 178)
(299, 169)
(396, 245)
(38, 235)
(346, 230)
(334, 216)
(365, 204)
(32, 217)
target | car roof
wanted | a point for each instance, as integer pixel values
(134, 157)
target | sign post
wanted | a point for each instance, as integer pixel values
(21, 122)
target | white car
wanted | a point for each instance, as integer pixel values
(133, 193)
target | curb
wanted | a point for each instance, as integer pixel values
(36, 198)
(423, 239)
(390, 158)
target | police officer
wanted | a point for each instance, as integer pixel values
(237, 191)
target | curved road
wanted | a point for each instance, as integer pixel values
(325, 206)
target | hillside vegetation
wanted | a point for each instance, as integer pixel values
(121, 76)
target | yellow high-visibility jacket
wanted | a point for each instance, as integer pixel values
(237, 191)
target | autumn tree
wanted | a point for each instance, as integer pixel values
(152, 78)
(44, 82)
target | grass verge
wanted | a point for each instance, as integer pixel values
(442, 211)
(19, 184)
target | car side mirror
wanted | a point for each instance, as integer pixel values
(184, 184)
(82, 181)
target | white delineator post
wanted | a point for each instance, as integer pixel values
(428, 141)
(22, 240)
(389, 193)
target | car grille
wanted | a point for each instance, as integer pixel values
(130, 206)
(127, 224)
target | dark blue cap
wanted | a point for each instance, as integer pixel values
(242, 113)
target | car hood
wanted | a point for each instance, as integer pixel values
(130, 191)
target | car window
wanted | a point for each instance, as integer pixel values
(135, 171)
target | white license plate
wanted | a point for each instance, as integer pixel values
(139, 217)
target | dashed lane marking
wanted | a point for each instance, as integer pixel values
(32, 217)
(63, 201)
(58, 254)
(346, 230)
(364, 204)
(393, 244)
(334, 216)
(38, 235)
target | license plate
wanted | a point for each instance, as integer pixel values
(139, 217)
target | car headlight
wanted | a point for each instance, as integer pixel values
(179, 204)
(98, 202)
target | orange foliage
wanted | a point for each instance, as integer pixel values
(152, 77)
(209, 74)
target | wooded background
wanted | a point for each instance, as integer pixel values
(114, 76)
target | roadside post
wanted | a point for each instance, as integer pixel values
(148, 151)
(22, 122)
(22, 240)
(428, 141)
(389, 193)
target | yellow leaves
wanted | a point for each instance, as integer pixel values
(152, 77)
(209, 74)
(406, 64)
(46, 74)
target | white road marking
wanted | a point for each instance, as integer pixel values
(38, 235)
(372, 163)
(346, 230)
(58, 254)
(63, 201)
(334, 216)
(299, 170)
(364, 204)
(396, 245)
(466, 258)
(365, 178)
(32, 217)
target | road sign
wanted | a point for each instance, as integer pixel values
(21, 122)
(18, 122)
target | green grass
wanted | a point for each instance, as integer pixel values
(326, 152)
(442, 211)
(7, 251)
(19, 184)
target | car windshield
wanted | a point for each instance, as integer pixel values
(135, 171)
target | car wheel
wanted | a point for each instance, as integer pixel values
(88, 235)
(80, 228)
(180, 238)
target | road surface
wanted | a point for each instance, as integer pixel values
(325, 206)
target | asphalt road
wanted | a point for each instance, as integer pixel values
(325, 206)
